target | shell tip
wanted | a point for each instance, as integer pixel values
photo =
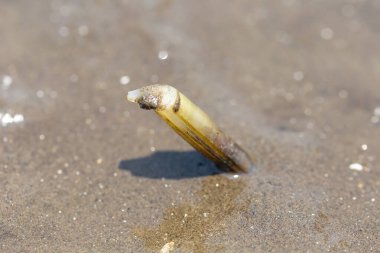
(134, 95)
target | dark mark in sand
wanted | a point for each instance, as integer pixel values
(189, 226)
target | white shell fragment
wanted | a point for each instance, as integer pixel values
(356, 166)
(169, 247)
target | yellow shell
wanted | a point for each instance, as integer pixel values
(193, 125)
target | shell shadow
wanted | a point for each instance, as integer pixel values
(170, 165)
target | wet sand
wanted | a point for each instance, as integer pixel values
(297, 84)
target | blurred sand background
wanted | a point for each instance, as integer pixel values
(295, 82)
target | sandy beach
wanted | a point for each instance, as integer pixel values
(296, 83)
